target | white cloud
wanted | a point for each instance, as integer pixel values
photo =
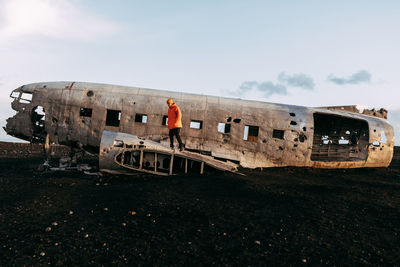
(61, 19)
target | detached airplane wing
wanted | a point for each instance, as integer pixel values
(125, 153)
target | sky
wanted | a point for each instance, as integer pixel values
(309, 53)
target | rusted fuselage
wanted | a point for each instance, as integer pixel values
(250, 133)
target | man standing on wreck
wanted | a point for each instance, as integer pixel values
(174, 123)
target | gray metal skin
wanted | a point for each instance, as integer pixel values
(64, 125)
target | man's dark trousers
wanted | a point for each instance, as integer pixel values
(175, 132)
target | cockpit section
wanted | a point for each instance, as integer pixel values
(22, 103)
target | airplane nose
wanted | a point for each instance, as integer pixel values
(20, 125)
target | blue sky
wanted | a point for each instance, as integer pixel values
(312, 53)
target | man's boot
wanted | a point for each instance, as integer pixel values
(182, 147)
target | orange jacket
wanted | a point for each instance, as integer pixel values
(174, 117)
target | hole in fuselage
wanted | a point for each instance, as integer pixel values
(38, 118)
(339, 138)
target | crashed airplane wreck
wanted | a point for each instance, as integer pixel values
(127, 126)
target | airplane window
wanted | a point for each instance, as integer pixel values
(165, 120)
(113, 117)
(250, 133)
(224, 127)
(15, 94)
(85, 112)
(141, 118)
(26, 98)
(196, 125)
(278, 134)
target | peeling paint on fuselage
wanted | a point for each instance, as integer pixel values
(284, 133)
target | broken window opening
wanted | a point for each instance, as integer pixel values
(196, 125)
(113, 117)
(224, 127)
(292, 114)
(279, 134)
(229, 119)
(141, 118)
(250, 133)
(85, 112)
(15, 94)
(237, 120)
(26, 98)
(165, 120)
(38, 118)
(293, 123)
(338, 138)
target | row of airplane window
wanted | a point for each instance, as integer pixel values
(250, 131)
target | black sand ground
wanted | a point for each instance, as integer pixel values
(283, 216)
